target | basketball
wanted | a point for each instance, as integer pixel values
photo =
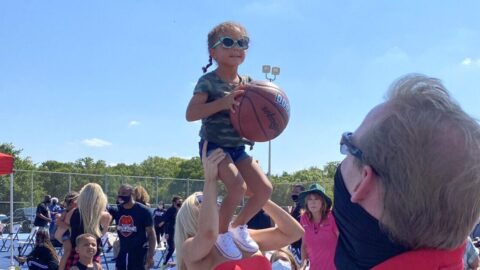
(263, 112)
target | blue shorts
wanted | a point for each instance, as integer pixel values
(237, 154)
(66, 236)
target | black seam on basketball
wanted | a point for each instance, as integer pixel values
(273, 103)
(256, 116)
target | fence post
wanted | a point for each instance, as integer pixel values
(156, 189)
(188, 188)
(105, 184)
(31, 190)
(69, 182)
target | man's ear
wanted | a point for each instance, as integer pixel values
(365, 186)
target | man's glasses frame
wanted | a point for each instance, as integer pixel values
(228, 42)
(347, 147)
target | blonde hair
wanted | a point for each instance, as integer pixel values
(426, 151)
(92, 202)
(140, 195)
(83, 237)
(286, 251)
(186, 225)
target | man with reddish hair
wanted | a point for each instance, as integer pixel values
(411, 168)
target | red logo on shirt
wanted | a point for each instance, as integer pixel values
(126, 226)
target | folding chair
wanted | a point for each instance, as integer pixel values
(103, 253)
(162, 248)
(29, 242)
(6, 237)
(3, 235)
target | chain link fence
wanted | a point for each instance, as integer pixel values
(30, 187)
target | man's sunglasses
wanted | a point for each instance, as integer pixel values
(347, 147)
(228, 42)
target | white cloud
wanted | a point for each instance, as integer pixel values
(467, 61)
(133, 123)
(95, 142)
(471, 62)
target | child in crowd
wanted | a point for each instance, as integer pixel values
(86, 247)
(43, 255)
(283, 259)
(62, 234)
(214, 98)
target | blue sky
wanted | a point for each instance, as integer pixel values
(111, 79)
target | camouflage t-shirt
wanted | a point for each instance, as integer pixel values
(218, 128)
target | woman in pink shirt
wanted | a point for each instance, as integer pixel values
(320, 239)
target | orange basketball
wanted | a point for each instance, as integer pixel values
(263, 112)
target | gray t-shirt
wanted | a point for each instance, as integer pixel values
(218, 128)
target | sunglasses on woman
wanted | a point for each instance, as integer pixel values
(228, 42)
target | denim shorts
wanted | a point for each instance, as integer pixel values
(237, 154)
(66, 236)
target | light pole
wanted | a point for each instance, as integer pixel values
(274, 71)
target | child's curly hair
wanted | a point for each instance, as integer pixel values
(216, 33)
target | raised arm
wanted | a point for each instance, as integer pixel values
(287, 229)
(105, 220)
(198, 108)
(152, 241)
(201, 244)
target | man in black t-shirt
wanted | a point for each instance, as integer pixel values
(261, 220)
(158, 215)
(169, 220)
(42, 217)
(135, 232)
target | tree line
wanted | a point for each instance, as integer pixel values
(162, 177)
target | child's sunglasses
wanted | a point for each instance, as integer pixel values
(228, 42)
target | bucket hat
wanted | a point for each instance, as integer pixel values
(317, 189)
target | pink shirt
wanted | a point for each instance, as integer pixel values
(321, 242)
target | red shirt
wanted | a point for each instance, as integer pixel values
(426, 259)
(256, 262)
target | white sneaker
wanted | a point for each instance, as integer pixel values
(227, 247)
(241, 236)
